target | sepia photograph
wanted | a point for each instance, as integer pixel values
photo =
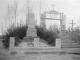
(39, 29)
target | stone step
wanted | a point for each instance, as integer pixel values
(70, 41)
(65, 38)
(70, 44)
(75, 46)
(67, 41)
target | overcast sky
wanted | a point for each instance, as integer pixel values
(71, 8)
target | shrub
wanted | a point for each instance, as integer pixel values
(18, 32)
(48, 36)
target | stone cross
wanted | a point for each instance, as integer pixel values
(72, 24)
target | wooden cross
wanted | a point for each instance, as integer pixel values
(72, 24)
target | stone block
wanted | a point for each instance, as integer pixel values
(12, 43)
(58, 43)
(36, 42)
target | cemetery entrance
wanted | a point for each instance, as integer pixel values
(53, 16)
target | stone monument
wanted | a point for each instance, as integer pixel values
(31, 34)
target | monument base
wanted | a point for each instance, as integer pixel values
(33, 40)
(29, 38)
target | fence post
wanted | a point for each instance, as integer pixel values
(58, 43)
(12, 43)
(36, 42)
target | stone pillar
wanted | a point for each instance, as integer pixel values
(12, 43)
(36, 42)
(58, 43)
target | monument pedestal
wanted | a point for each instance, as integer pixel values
(34, 40)
(31, 35)
(31, 32)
